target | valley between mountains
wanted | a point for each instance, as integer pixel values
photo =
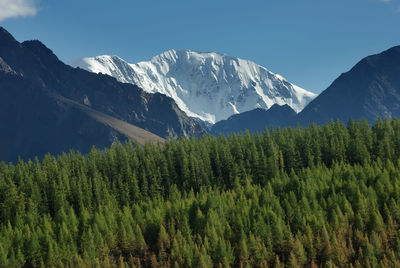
(177, 93)
(195, 159)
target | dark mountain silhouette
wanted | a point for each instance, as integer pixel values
(256, 120)
(371, 89)
(36, 119)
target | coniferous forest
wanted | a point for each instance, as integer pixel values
(322, 196)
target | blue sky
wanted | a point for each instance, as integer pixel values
(308, 42)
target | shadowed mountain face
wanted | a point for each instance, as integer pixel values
(34, 121)
(209, 86)
(371, 89)
(256, 120)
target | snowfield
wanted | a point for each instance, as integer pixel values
(209, 86)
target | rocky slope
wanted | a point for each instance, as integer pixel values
(371, 89)
(34, 121)
(208, 86)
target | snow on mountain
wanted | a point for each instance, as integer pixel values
(208, 86)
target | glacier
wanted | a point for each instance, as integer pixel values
(209, 86)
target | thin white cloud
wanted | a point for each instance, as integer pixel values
(386, 1)
(17, 8)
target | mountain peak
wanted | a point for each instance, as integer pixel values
(284, 107)
(5, 33)
(6, 38)
(36, 45)
(256, 120)
(189, 51)
(210, 86)
(41, 51)
(192, 56)
(371, 89)
(108, 57)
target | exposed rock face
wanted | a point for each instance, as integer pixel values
(209, 86)
(34, 122)
(371, 89)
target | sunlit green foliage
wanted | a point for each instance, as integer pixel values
(324, 196)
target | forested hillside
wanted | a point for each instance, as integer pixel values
(325, 196)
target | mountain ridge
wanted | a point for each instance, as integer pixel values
(210, 86)
(37, 123)
(369, 90)
(277, 115)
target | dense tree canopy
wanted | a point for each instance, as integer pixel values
(325, 196)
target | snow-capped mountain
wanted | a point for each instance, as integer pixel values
(208, 86)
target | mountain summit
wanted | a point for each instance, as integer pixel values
(47, 106)
(209, 86)
(371, 89)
